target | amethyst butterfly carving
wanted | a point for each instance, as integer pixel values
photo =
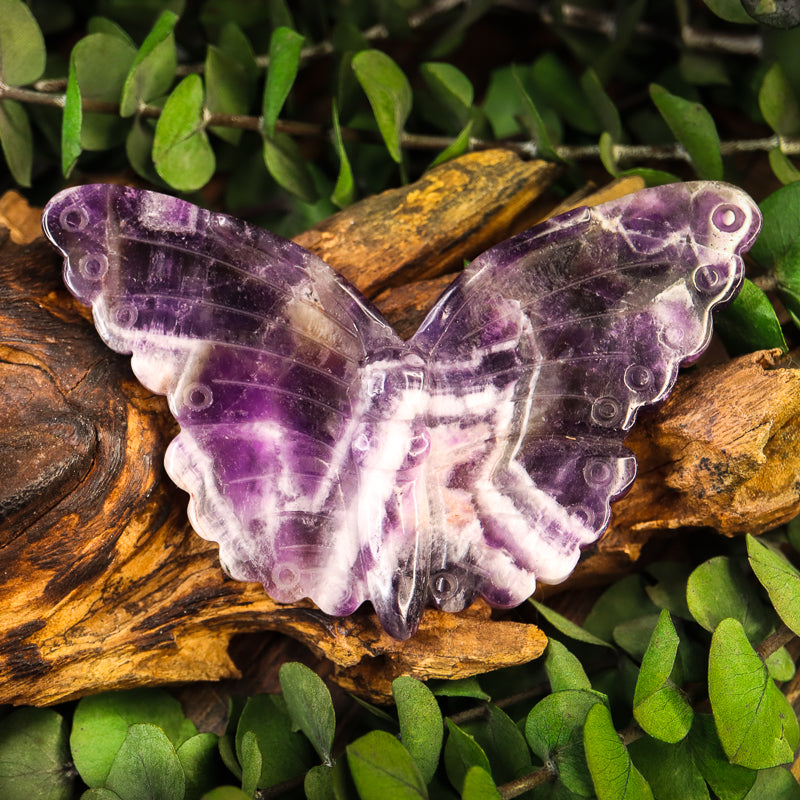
(332, 460)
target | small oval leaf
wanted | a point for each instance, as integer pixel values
(613, 774)
(181, 151)
(755, 722)
(284, 60)
(780, 578)
(22, 48)
(310, 706)
(421, 725)
(389, 94)
(694, 128)
(381, 767)
(750, 323)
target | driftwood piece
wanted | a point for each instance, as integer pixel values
(104, 585)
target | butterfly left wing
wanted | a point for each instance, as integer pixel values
(280, 375)
(541, 354)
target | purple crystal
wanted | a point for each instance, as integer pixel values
(331, 460)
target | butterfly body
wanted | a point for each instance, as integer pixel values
(330, 459)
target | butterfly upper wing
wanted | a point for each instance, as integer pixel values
(540, 356)
(276, 371)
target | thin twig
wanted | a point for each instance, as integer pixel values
(533, 779)
(775, 641)
(415, 141)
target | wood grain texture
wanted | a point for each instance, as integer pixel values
(104, 585)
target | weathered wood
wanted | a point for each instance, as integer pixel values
(104, 585)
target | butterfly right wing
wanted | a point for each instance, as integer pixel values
(541, 354)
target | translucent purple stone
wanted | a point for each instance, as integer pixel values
(331, 460)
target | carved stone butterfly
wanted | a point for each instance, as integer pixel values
(332, 460)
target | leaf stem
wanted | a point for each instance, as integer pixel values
(775, 641)
(533, 779)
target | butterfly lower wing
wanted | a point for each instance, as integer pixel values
(260, 348)
(541, 354)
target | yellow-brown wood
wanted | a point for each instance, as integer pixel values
(104, 585)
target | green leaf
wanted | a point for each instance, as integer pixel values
(34, 758)
(139, 148)
(670, 590)
(344, 190)
(719, 589)
(559, 89)
(782, 167)
(602, 105)
(779, 578)
(613, 774)
(451, 89)
(478, 785)
(502, 103)
(287, 754)
(284, 61)
(534, 122)
(318, 783)
(252, 763)
(71, 123)
(658, 705)
(228, 90)
(503, 743)
(226, 793)
(108, 26)
(730, 11)
(568, 628)
(389, 94)
(310, 706)
(633, 635)
(755, 722)
(153, 67)
(101, 722)
(778, 103)
(750, 323)
(202, 767)
(781, 212)
(728, 781)
(461, 687)
(381, 768)
(16, 139)
(459, 146)
(777, 782)
(101, 62)
(146, 766)
(564, 670)
(181, 152)
(287, 166)
(651, 177)
(669, 769)
(622, 601)
(99, 794)
(694, 128)
(421, 726)
(780, 665)
(460, 753)
(554, 730)
(22, 48)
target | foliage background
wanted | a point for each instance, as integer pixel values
(679, 681)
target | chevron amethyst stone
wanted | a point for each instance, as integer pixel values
(332, 460)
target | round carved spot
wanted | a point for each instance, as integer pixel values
(444, 585)
(708, 279)
(286, 576)
(197, 396)
(638, 377)
(125, 315)
(93, 266)
(727, 217)
(606, 411)
(598, 473)
(73, 219)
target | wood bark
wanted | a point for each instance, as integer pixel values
(104, 585)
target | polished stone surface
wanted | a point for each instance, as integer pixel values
(331, 460)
